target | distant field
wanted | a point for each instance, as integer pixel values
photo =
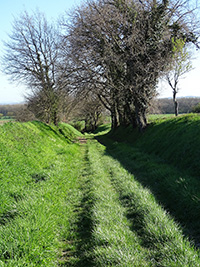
(153, 117)
(5, 120)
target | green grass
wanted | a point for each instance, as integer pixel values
(116, 204)
(156, 117)
(127, 226)
(177, 141)
(39, 191)
(165, 159)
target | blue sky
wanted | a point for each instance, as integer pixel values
(13, 93)
(10, 92)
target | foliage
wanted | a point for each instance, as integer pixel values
(180, 65)
(5, 109)
(111, 51)
(23, 114)
(79, 125)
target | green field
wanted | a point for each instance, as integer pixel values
(120, 199)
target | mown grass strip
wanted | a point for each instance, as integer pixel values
(157, 232)
(114, 244)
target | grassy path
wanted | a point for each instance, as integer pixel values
(69, 204)
(120, 223)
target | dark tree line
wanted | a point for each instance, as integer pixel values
(111, 50)
(166, 106)
(10, 110)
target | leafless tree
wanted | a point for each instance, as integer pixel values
(181, 65)
(90, 111)
(31, 57)
(119, 49)
(23, 114)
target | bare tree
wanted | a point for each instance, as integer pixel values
(31, 57)
(23, 114)
(90, 111)
(119, 49)
(178, 68)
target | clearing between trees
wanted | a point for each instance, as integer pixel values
(104, 202)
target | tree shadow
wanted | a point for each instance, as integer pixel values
(170, 186)
(83, 227)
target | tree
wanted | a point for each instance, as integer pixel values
(31, 57)
(23, 114)
(119, 48)
(179, 66)
(91, 111)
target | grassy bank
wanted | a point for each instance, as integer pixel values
(39, 171)
(175, 140)
(88, 204)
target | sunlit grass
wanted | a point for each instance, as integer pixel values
(39, 190)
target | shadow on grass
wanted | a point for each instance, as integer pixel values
(82, 256)
(174, 190)
(85, 227)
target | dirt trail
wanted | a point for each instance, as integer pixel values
(82, 140)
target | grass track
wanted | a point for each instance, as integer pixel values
(125, 224)
(64, 204)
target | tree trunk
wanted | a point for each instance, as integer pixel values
(115, 119)
(175, 103)
(140, 118)
(55, 118)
